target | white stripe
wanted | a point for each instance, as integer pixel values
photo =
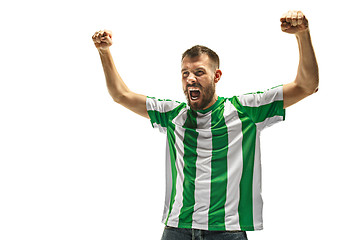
(161, 129)
(168, 182)
(235, 166)
(268, 122)
(257, 199)
(259, 99)
(203, 170)
(179, 144)
(160, 106)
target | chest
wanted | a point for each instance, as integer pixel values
(210, 134)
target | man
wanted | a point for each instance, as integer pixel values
(213, 154)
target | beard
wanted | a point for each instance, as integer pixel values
(207, 95)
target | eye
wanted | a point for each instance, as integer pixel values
(185, 74)
(199, 73)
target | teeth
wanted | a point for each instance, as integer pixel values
(193, 90)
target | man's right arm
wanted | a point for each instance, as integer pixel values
(116, 86)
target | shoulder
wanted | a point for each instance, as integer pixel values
(259, 98)
(163, 105)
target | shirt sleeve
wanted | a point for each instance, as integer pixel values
(264, 108)
(160, 111)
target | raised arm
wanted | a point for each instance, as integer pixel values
(307, 78)
(116, 86)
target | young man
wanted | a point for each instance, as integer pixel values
(212, 152)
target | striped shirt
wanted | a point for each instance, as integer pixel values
(213, 170)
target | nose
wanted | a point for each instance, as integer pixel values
(191, 79)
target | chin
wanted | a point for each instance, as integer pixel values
(197, 105)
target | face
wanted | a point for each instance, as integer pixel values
(199, 77)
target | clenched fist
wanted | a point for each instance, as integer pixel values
(102, 39)
(294, 22)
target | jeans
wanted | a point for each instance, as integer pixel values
(171, 233)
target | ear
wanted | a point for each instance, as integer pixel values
(218, 74)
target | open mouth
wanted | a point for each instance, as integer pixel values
(194, 94)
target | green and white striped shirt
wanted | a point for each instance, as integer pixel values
(213, 170)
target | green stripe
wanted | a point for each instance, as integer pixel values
(219, 132)
(163, 118)
(246, 182)
(158, 118)
(245, 208)
(259, 114)
(172, 150)
(190, 156)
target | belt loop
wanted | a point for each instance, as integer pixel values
(192, 234)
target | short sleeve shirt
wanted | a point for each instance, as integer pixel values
(213, 169)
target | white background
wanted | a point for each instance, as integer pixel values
(76, 165)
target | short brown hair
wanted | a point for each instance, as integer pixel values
(197, 50)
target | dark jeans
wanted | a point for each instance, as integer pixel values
(171, 233)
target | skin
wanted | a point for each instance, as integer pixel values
(116, 86)
(200, 73)
(307, 79)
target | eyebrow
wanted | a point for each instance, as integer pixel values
(198, 68)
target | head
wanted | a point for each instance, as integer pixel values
(200, 73)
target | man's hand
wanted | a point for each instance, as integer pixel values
(294, 22)
(102, 39)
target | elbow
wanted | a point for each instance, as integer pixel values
(314, 81)
(120, 98)
(308, 83)
(315, 89)
(315, 86)
(309, 90)
(116, 99)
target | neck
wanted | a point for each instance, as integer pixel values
(213, 101)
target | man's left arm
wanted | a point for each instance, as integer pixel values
(307, 78)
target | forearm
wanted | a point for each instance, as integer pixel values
(116, 86)
(308, 73)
